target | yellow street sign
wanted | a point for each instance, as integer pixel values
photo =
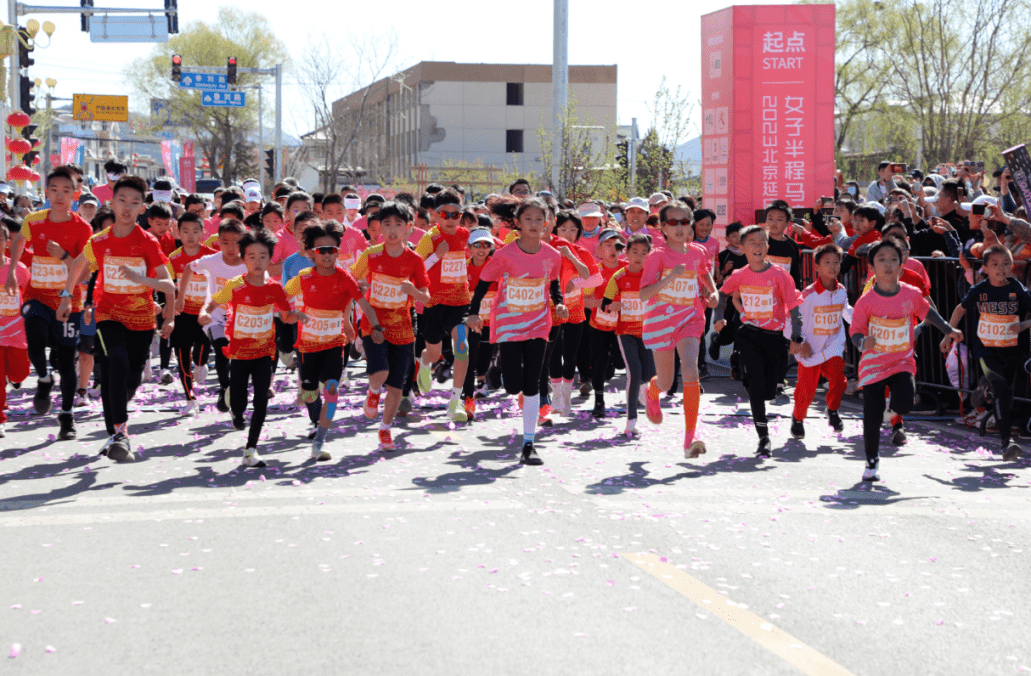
(100, 107)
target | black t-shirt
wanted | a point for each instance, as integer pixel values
(737, 260)
(786, 251)
(992, 309)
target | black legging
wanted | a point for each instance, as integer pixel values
(37, 332)
(122, 353)
(222, 363)
(602, 343)
(640, 367)
(553, 339)
(563, 357)
(521, 365)
(259, 372)
(1000, 372)
(762, 355)
(902, 387)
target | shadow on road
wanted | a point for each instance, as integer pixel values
(865, 494)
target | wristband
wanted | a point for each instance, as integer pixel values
(379, 328)
(64, 256)
(65, 294)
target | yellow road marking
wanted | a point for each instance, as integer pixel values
(777, 641)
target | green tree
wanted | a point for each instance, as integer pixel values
(222, 133)
(588, 167)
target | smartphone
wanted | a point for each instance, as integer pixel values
(827, 211)
(979, 165)
(977, 209)
(898, 168)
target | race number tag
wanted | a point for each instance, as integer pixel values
(757, 302)
(452, 268)
(10, 305)
(114, 282)
(606, 320)
(827, 320)
(197, 289)
(525, 295)
(253, 323)
(485, 304)
(780, 262)
(386, 292)
(631, 307)
(682, 290)
(892, 335)
(48, 273)
(574, 296)
(324, 326)
(994, 330)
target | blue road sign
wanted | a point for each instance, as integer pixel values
(205, 81)
(224, 99)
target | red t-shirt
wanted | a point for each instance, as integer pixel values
(116, 298)
(197, 290)
(167, 242)
(12, 326)
(574, 300)
(608, 320)
(474, 280)
(325, 298)
(249, 310)
(624, 287)
(385, 275)
(449, 284)
(49, 274)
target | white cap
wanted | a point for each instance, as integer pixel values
(983, 199)
(252, 195)
(480, 235)
(657, 198)
(162, 196)
(638, 203)
(589, 210)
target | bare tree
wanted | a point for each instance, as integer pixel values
(327, 72)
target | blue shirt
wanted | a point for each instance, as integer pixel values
(293, 265)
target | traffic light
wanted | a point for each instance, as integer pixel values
(27, 97)
(231, 70)
(171, 17)
(27, 131)
(177, 67)
(86, 17)
(270, 162)
(25, 48)
(30, 157)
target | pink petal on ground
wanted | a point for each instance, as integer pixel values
(15, 650)
(51, 649)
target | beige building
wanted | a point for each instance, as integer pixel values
(437, 112)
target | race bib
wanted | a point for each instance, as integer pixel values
(574, 296)
(892, 335)
(323, 326)
(631, 307)
(994, 330)
(386, 292)
(682, 290)
(48, 273)
(253, 323)
(485, 304)
(605, 320)
(10, 305)
(114, 282)
(827, 320)
(780, 262)
(452, 268)
(197, 289)
(220, 283)
(757, 302)
(525, 295)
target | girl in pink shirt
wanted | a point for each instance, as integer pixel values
(676, 285)
(882, 329)
(14, 353)
(527, 271)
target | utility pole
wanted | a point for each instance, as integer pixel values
(261, 142)
(559, 91)
(632, 160)
(279, 122)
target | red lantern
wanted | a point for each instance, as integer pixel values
(19, 172)
(19, 146)
(18, 119)
(34, 176)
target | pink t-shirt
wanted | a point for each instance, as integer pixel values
(520, 309)
(286, 247)
(767, 297)
(12, 326)
(712, 245)
(890, 319)
(678, 311)
(103, 193)
(416, 237)
(352, 244)
(211, 226)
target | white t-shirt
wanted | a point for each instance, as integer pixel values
(218, 273)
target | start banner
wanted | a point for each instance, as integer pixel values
(768, 108)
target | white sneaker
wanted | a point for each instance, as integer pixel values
(93, 394)
(165, 377)
(872, 471)
(200, 374)
(3, 431)
(81, 400)
(191, 409)
(252, 459)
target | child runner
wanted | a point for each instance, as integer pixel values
(124, 256)
(159, 218)
(249, 301)
(217, 269)
(481, 351)
(997, 305)
(188, 339)
(329, 293)
(14, 354)
(528, 274)
(824, 306)
(394, 275)
(443, 249)
(675, 284)
(104, 218)
(703, 222)
(57, 237)
(622, 295)
(882, 330)
(732, 258)
(767, 295)
(603, 324)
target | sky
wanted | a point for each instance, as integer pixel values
(469, 31)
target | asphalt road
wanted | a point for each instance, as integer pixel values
(448, 557)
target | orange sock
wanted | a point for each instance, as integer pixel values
(692, 394)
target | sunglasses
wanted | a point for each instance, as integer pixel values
(449, 215)
(675, 222)
(327, 249)
(481, 245)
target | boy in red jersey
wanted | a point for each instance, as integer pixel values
(14, 356)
